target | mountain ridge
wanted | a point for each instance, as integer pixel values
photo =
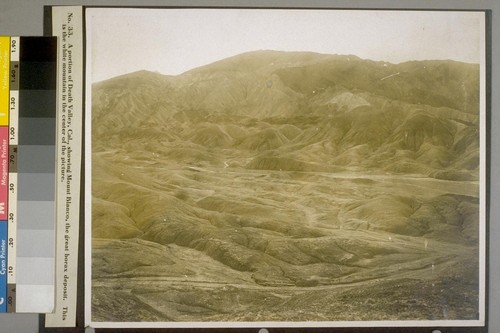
(350, 110)
(287, 190)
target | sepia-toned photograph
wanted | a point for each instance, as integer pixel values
(294, 167)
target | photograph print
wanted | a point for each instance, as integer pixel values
(291, 167)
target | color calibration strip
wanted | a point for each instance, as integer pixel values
(28, 67)
(4, 140)
(36, 175)
(13, 142)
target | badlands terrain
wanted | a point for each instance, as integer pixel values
(275, 186)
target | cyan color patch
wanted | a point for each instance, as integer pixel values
(3, 266)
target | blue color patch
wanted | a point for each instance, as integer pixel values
(3, 266)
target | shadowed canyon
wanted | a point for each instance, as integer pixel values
(287, 186)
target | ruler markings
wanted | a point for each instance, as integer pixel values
(4, 165)
(12, 199)
(4, 172)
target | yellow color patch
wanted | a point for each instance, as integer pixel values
(4, 80)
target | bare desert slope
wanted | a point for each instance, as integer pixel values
(287, 187)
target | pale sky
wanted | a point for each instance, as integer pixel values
(172, 41)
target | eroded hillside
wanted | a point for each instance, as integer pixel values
(286, 186)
